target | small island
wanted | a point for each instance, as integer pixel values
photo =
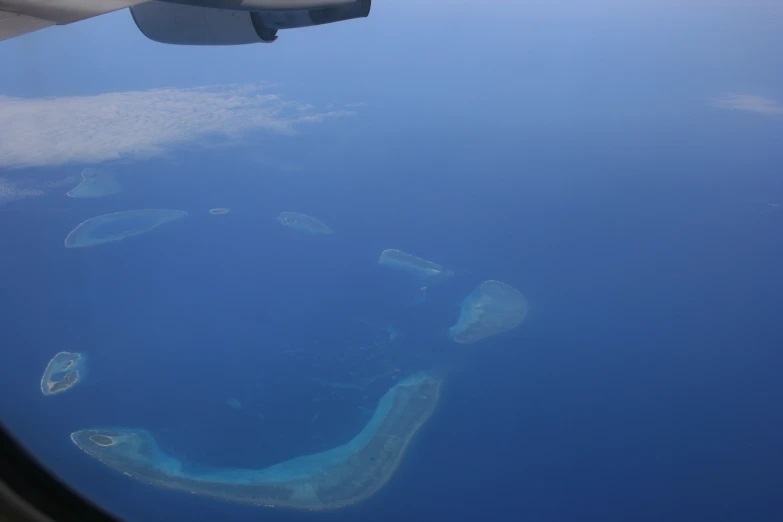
(102, 440)
(63, 371)
(330, 479)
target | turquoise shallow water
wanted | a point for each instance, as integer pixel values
(330, 479)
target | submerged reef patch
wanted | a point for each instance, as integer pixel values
(492, 308)
(119, 225)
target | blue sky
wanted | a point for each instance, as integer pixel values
(528, 67)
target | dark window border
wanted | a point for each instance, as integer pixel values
(29, 493)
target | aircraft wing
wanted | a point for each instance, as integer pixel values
(18, 17)
(186, 22)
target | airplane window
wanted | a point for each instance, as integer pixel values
(400, 260)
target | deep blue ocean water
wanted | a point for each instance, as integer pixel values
(644, 380)
(642, 224)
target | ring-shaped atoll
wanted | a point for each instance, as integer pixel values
(63, 372)
(119, 225)
(303, 223)
(330, 479)
(96, 183)
(492, 308)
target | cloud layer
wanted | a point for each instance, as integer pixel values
(750, 103)
(92, 129)
(11, 190)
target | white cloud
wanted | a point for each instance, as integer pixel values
(28, 188)
(92, 129)
(749, 102)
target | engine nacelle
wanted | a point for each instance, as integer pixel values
(179, 23)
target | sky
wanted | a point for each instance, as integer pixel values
(510, 73)
(617, 162)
